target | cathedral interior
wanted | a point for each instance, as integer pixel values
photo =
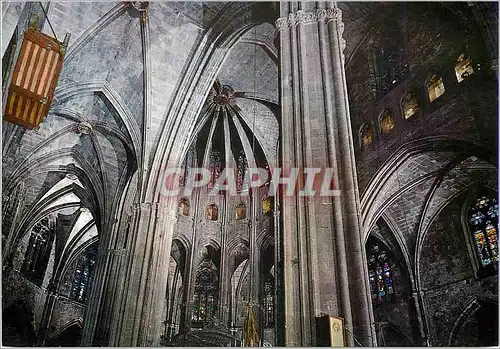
(398, 98)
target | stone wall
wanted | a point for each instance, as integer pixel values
(448, 280)
(434, 38)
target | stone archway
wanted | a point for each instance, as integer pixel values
(69, 336)
(477, 325)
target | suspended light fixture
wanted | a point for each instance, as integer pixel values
(35, 76)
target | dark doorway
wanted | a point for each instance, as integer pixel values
(480, 329)
(70, 337)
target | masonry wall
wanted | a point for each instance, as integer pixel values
(448, 279)
(434, 38)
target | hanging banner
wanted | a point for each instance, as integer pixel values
(34, 79)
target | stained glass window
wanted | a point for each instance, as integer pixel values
(386, 120)
(435, 87)
(241, 178)
(269, 302)
(409, 105)
(37, 253)
(205, 294)
(380, 275)
(215, 167)
(484, 224)
(241, 211)
(83, 274)
(365, 135)
(184, 207)
(463, 69)
(212, 212)
(392, 66)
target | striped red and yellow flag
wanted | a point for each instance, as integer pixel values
(34, 79)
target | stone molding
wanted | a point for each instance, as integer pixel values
(147, 206)
(309, 17)
(155, 206)
(85, 127)
(113, 251)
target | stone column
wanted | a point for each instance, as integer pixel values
(324, 260)
(47, 313)
(416, 302)
(99, 307)
(137, 320)
(224, 274)
(185, 316)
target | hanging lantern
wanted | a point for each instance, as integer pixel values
(34, 78)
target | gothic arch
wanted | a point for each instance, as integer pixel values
(471, 308)
(399, 338)
(402, 248)
(184, 241)
(67, 260)
(55, 338)
(422, 234)
(264, 239)
(466, 207)
(225, 31)
(68, 91)
(180, 254)
(45, 207)
(371, 207)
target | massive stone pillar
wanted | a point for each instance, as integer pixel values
(137, 315)
(324, 260)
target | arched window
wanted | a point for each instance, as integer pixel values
(212, 212)
(83, 274)
(241, 211)
(37, 254)
(215, 168)
(484, 227)
(184, 207)
(267, 205)
(242, 165)
(205, 296)
(409, 105)
(365, 136)
(435, 87)
(380, 275)
(463, 69)
(386, 121)
(268, 302)
(390, 60)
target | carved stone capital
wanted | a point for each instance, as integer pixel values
(309, 17)
(304, 17)
(143, 206)
(85, 128)
(334, 14)
(322, 15)
(147, 206)
(282, 23)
